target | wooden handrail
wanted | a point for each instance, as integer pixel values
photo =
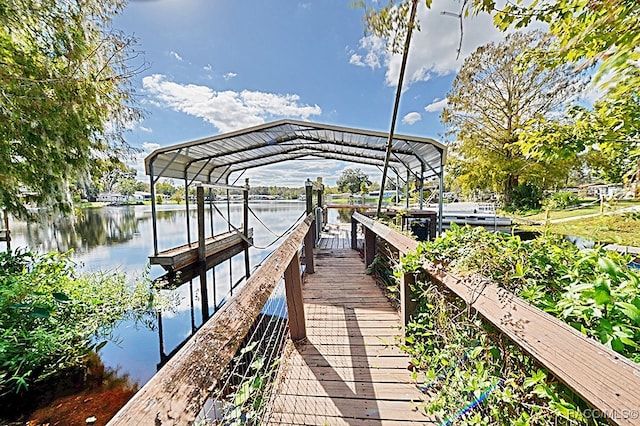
(606, 380)
(176, 393)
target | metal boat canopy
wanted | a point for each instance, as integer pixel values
(213, 159)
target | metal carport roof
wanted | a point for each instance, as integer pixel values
(213, 159)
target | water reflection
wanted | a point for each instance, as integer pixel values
(121, 238)
(90, 228)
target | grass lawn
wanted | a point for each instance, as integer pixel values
(621, 229)
(592, 209)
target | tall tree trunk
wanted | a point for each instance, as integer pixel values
(510, 183)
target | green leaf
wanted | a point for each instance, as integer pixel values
(61, 297)
(630, 310)
(602, 294)
(608, 266)
(617, 344)
(248, 348)
(40, 312)
(629, 342)
(258, 363)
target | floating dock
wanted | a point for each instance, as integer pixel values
(179, 257)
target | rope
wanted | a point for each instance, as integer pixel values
(472, 405)
(244, 237)
(261, 222)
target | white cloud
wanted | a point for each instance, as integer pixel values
(176, 55)
(226, 110)
(207, 67)
(356, 59)
(374, 52)
(434, 48)
(146, 129)
(149, 147)
(229, 75)
(412, 118)
(437, 105)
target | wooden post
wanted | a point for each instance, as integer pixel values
(202, 252)
(247, 267)
(245, 212)
(407, 303)
(295, 305)
(186, 205)
(433, 226)
(308, 251)
(354, 234)
(154, 219)
(369, 246)
(309, 195)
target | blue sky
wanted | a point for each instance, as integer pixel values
(216, 66)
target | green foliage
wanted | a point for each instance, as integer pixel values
(494, 97)
(593, 290)
(457, 358)
(51, 317)
(65, 96)
(561, 200)
(526, 196)
(351, 180)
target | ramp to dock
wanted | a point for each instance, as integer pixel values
(349, 369)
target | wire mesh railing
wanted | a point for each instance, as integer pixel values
(220, 375)
(243, 393)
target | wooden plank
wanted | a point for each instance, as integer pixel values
(182, 256)
(350, 357)
(307, 419)
(359, 390)
(344, 350)
(351, 408)
(352, 331)
(347, 361)
(601, 377)
(177, 392)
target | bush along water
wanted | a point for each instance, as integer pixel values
(52, 317)
(475, 374)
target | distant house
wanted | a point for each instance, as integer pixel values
(112, 197)
(140, 196)
(605, 190)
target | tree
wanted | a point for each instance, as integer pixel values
(351, 180)
(604, 34)
(65, 96)
(166, 188)
(494, 97)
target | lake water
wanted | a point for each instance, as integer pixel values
(120, 238)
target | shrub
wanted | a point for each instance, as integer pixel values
(561, 200)
(51, 317)
(526, 196)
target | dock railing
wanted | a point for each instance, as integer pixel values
(604, 379)
(177, 393)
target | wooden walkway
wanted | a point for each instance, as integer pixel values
(348, 370)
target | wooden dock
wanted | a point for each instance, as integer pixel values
(187, 254)
(349, 370)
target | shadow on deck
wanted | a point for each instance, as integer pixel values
(349, 369)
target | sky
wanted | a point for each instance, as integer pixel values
(214, 66)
